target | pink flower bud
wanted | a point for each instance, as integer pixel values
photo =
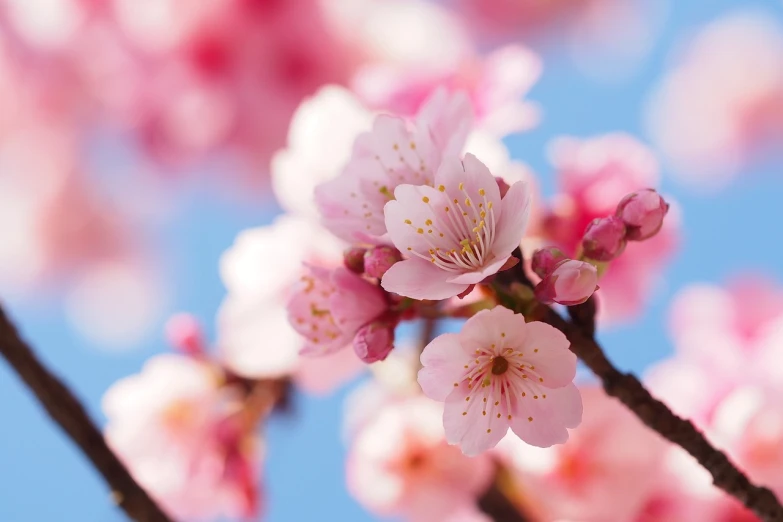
(379, 259)
(604, 238)
(373, 342)
(502, 185)
(643, 212)
(353, 259)
(545, 259)
(183, 332)
(571, 283)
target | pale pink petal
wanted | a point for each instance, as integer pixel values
(471, 174)
(419, 279)
(500, 326)
(515, 210)
(561, 409)
(475, 425)
(356, 301)
(547, 348)
(443, 362)
(449, 119)
(471, 278)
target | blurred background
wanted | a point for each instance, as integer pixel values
(136, 138)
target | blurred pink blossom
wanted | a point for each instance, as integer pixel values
(184, 438)
(496, 85)
(501, 372)
(400, 464)
(598, 475)
(594, 176)
(720, 108)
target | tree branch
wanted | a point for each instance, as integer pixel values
(67, 411)
(658, 417)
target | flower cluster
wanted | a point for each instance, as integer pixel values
(639, 216)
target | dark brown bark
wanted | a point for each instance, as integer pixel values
(68, 412)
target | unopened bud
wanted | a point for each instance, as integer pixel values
(373, 342)
(545, 259)
(183, 332)
(571, 283)
(379, 259)
(604, 239)
(353, 259)
(642, 212)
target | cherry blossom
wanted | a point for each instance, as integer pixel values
(330, 307)
(400, 464)
(501, 372)
(178, 431)
(393, 153)
(455, 235)
(720, 108)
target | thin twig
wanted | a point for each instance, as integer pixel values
(68, 412)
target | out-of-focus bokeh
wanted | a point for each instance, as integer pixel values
(139, 138)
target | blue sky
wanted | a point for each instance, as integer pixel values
(42, 476)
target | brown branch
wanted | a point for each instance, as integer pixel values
(658, 417)
(627, 388)
(67, 411)
(495, 504)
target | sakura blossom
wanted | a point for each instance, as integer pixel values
(455, 235)
(400, 464)
(331, 306)
(395, 152)
(501, 372)
(719, 110)
(178, 430)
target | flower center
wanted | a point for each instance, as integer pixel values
(499, 365)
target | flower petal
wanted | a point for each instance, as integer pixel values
(419, 279)
(543, 422)
(473, 423)
(547, 349)
(513, 219)
(443, 362)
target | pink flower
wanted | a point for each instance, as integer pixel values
(642, 212)
(393, 153)
(570, 283)
(177, 430)
(501, 372)
(599, 474)
(260, 271)
(604, 238)
(330, 307)
(457, 234)
(399, 463)
(720, 108)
